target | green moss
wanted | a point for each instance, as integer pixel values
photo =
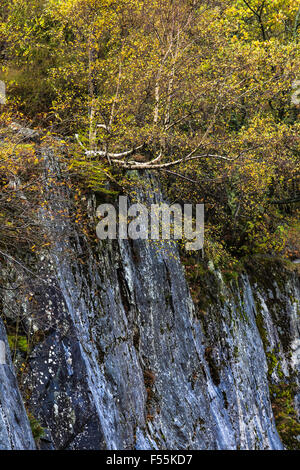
(274, 365)
(262, 330)
(18, 342)
(229, 276)
(36, 427)
(282, 397)
(236, 352)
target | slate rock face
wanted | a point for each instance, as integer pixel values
(15, 432)
(127, 360)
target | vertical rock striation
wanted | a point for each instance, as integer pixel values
(126, 360)
(15, 432)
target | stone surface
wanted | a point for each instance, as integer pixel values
(126, 359)
(15, 432)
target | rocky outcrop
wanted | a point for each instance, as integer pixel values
(122, 357)
(251, 329)
(15, 432)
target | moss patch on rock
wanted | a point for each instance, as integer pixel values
(282, 397)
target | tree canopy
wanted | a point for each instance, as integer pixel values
(198, 91)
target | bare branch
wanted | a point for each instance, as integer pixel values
(15, 261)
(258, 13)
(179, 175)
(115, 156)
(80, 143)
(151, 166)
(157, 159)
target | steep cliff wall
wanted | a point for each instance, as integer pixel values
(15, 432)
(122, 357)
